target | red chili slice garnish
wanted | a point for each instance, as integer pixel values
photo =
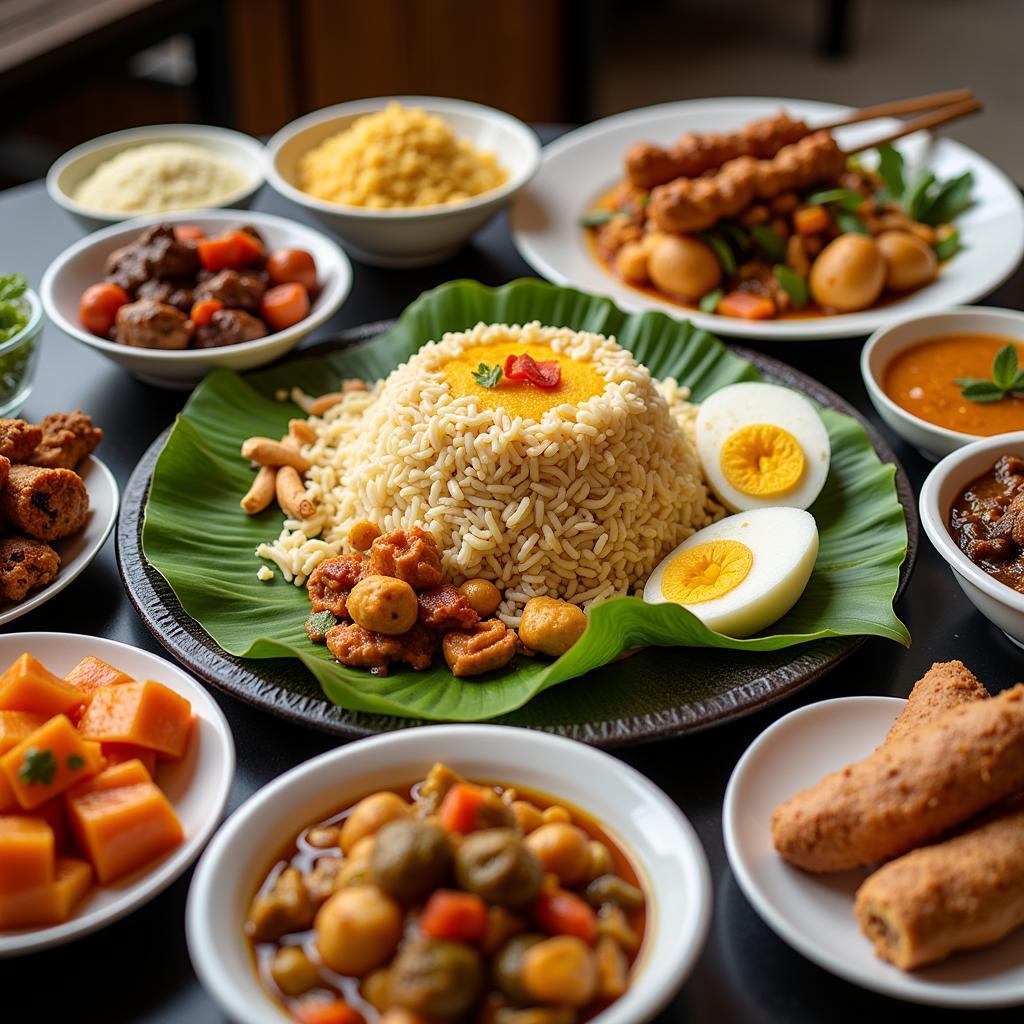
(544, 374)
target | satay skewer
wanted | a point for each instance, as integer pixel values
(696, 204)
(648, 165)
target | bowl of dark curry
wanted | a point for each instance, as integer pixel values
(972, 509)
(448, 874)
(942, 381)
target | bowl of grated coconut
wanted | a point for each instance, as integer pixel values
(156, 169)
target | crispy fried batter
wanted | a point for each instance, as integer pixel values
(446, 607)
(947, 684)
(411, 555)
(963, 893)
(360, 648)
(68, 437)
(47, 504)
(24, 565)
(487, 646)
(908, 792)
(332, 581)
(19, 439)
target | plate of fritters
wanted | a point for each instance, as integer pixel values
(883, 839)
(58, 504)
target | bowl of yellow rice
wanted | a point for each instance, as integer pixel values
(405, 181)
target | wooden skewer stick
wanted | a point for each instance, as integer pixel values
(894, 107)
(920, 123)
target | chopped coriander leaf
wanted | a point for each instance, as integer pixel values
(38, 767)
(75, 762)
(1007, 379)
(596, 218)
(850, 223)
(709, 303)
(792, 284)
(487, 376)
(845, 197)
(946, 248)
(770, 242)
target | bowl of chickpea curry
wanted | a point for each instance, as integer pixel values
(433, 876)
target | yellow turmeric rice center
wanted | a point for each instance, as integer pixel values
(580, 381)
(762, 460)
(707, 571)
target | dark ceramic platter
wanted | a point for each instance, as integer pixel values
(657, 693)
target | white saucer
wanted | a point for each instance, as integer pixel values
(78, 551)
(814, 913)
(197, 786)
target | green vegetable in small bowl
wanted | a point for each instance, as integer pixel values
(21, 321)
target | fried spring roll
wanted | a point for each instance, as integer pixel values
(947, 684)
(47, 504)
(960, 894)
(908, 792)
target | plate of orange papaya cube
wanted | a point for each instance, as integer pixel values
(115, 769)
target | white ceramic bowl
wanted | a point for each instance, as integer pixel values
(664, 848)
(414, 237)
(197, 786)
(1001, 605)
(70, 170)
(932, 441)
(82, 264)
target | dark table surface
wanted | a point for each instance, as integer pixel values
(138, 969)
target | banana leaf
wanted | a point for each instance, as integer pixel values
(196, 536)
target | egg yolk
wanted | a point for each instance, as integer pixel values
(762, 460)
(706, 571)
(580, 381)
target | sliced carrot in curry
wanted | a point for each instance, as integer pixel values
(127, 773)
(48, 761)
(16, 725)
(122, 829)
(29, 686)
(51, 902)
(26, 852)
(146, 714)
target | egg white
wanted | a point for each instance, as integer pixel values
(784, 544)
(740, 405)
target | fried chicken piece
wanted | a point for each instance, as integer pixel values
(24, 565)
(5, 472)
(446, 607)
(411, 555)
(947, 684)
(47, 504)
(18, 439)
(417, 647)
(487, 646)
(332, 581)
(67, 438)
(910, 791)
(360, 648)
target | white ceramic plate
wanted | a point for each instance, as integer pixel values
(78, 551)
(660, 841)
(580, 167)
(197, 786)
(814, 913)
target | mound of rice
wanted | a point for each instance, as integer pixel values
(580, 504)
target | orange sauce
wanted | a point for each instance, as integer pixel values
(922, 380)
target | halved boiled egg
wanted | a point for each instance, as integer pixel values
(761, 446)
(742, 573)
